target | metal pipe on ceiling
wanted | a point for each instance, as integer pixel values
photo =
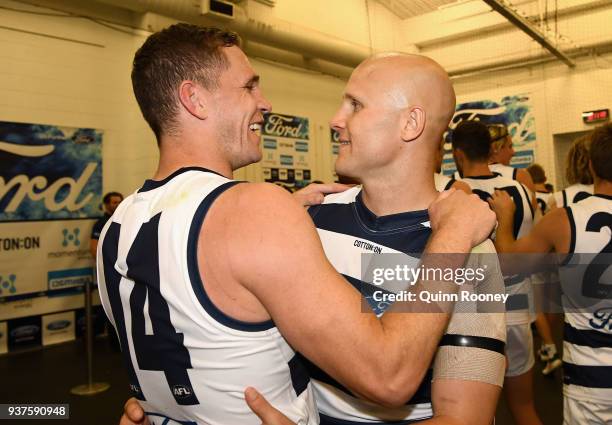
(529, 29)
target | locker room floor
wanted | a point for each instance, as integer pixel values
(47, 375)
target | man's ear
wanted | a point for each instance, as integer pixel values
(194, 99)
(412, 123)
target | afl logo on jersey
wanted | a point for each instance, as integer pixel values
(182, 391)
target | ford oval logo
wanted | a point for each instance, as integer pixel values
(24, 331)
(58, 324)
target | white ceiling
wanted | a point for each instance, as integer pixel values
(409, 8)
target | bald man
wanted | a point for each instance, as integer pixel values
(392, 116)
(213, 284)
(394, 111)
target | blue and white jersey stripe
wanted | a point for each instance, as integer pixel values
(347, 230)
(587, 297)
(520, 301)
(186, 359)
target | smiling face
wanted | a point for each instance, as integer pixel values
(368, 124)
(237, 110)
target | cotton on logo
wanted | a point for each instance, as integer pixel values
(7, 286)
(71, 237)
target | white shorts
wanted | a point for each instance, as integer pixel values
(519, 349)
(576, 412)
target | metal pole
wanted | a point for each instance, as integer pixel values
(90, 388)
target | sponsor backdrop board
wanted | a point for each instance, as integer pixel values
(58, 328)
(3, 338)
(335, 147)
(287, 157)
(516, 112)
(50, 196)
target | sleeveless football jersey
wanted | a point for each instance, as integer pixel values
(443, 182)
(505, 170)
(518, 287)
(187, 361)
(348, 229)
(542, 200)
(572, 194)
(586, 279)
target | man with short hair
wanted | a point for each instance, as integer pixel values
(393, 113)
(201, 274)
(471, 142)
(582, 230)
(442, 181)
(110, 201)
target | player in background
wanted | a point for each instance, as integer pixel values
(544, 282)
(582, 234)
(502, 151)
(471, 142)
(442, 181)
(577, 174)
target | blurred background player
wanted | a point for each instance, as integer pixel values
(577, 174)
(110, 201)
(542, 282)
(583, 228)
(501, 154)
(471, 142)
(538, 175)
(444, 182)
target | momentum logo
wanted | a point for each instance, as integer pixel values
(7, 285)
(71, 237)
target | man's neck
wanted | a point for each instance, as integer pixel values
(539, 187)
(175, 154)
(474, 169)
(603, 187)
(392, 196)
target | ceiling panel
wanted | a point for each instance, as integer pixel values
(409, 8)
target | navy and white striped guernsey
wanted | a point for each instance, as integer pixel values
(347, 229)
(542, 200)
(187, 361)
(571, 194)
(587, 298)
(443, 182)
(505, 170)
(518, 287)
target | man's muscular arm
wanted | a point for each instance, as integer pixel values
(523, 176)
(551, 233)
(273, 250)
(468, 376)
